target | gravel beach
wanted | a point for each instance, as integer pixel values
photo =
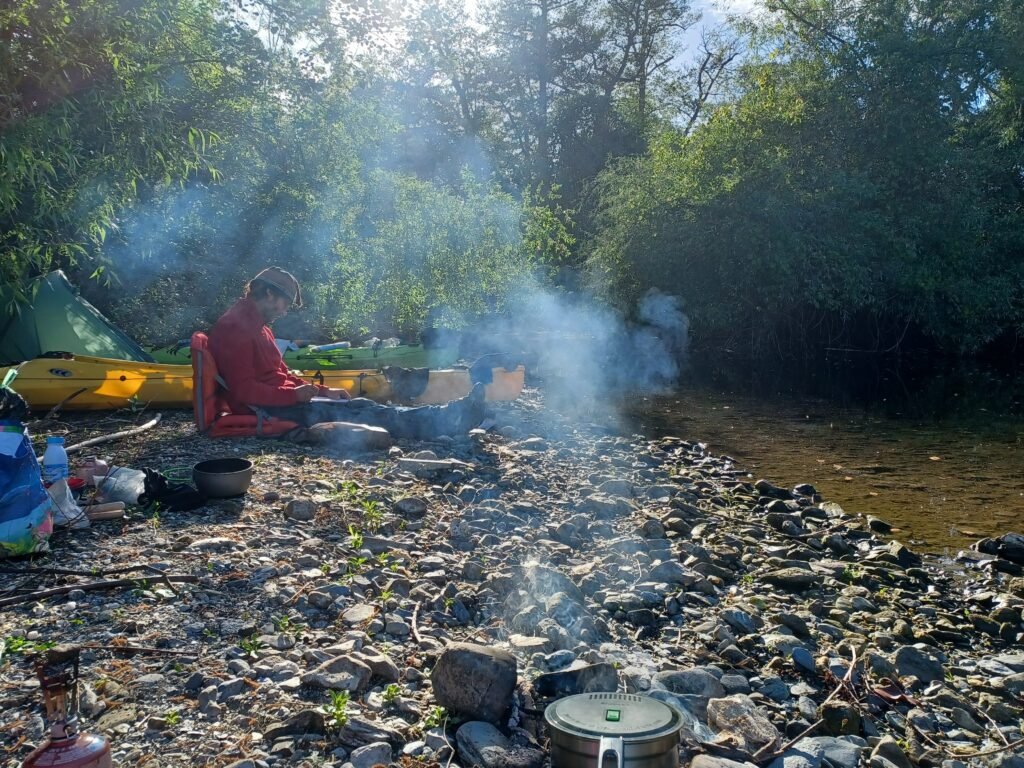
(422, 605)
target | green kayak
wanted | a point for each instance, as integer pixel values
(354, 358)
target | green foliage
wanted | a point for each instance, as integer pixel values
(422, 246)
(337, 708)
(852, 574)
(349, 491)
(857, 188)
(434, 718)
(251, 646)
(355, 537)
(288, 626)
(373, 515)
(170, 150)
(858, 183)
(20, 646)
(96, 112)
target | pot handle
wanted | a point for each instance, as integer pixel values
(611, 744)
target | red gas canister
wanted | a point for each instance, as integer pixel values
(66, 747)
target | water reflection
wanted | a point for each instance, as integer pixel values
(938, 456)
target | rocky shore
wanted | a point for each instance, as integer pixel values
(422, 606)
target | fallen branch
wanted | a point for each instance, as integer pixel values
(813, 726)
(163, 577)
(300, 592)
(56, 409)
(1013, 745)
(115, 584)
(843, 684)
(847, 678)
(444, 735)
(71, 572)
(114, 436)
(995, 727)
(134, 649)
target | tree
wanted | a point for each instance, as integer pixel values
(852, 192)
(92, 120)
(644, 34)
(441, 94)
(532, 45)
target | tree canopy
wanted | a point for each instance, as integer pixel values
(824, 172)
(866, 181)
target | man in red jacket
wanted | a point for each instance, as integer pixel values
(256, 376)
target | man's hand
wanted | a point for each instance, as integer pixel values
(338, 394)
(305, 393)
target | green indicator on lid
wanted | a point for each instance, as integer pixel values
(613, 715)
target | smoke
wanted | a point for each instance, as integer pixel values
(590, 357)
(662, 338)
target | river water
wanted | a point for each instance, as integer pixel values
(939, 456)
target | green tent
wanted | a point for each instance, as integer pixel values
(59, 320)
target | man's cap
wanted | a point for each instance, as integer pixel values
(283, 281)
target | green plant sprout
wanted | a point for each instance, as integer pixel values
(373, 516)
(337, 709)
(434, 718)
(251, 645)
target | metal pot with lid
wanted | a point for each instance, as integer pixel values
(633, 731)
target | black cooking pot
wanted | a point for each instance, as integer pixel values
(222, 478)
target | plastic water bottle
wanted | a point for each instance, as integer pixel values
(55, 460)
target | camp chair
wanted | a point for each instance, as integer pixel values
(213, 417)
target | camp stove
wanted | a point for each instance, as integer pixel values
(57, 670)
(621, 730)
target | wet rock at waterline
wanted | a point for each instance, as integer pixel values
(1010, 547)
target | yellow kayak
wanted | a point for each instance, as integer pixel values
(95, 384)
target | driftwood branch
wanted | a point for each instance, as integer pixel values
(809, 729)
(1013, 745)
(114, 584)
(114, 436)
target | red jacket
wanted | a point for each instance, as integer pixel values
(249, 361)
